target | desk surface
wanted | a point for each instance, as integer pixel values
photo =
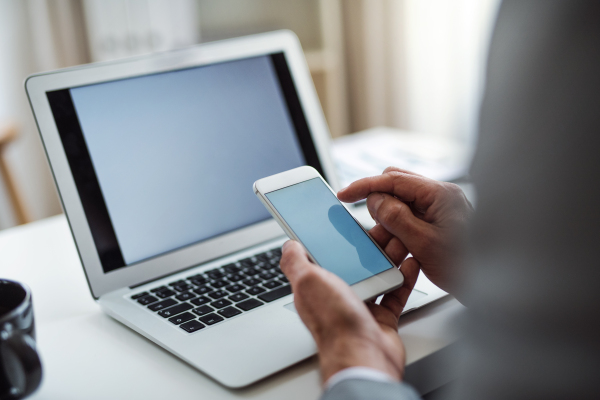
(87, 354)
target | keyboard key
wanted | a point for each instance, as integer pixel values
(183, 287)
(238, 297)
(185, 296)
(199, 282)
(147, 300)
(249, 304)
(229, 312)
(232, 269)
(181, 318)
(266, 267)
(179, 282)
(217, 294)
(283, 279)
(267, 275)
(211, 319)
(271, 284)
(235, 277)
(276, 294)
(172, 311)
(215, 274)
(219, 284)
(252, 282)
(137, 296)
(200, 301)
(235, 288)
(161, 305)
(220, 303)
(246, 262)
(262, 257)
(192, 326)
(255, 290)
(158, 289)
(250, 271)
(203, 290)
(203, 310)
(163, 294)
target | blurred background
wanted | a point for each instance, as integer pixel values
(416, 65)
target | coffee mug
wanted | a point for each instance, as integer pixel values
(20, 366)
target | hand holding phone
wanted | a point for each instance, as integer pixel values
(309, 212)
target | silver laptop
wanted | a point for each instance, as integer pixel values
(154, 159)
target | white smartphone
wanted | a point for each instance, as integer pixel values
(309, 212)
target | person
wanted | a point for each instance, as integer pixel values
(525, 262)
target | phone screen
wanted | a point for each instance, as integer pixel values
(328, 231)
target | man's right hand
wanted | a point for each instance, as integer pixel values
(429, 218)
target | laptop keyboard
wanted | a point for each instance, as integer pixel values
(218, 294)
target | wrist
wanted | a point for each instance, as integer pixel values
(348, 352)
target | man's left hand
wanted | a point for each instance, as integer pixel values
(348, 332)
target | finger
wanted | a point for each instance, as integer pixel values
(391, 245)
(405, 186)
(398, 219)
(396, 250)
(381, 236)
(294, 261)
(396, 300)
(391, 169)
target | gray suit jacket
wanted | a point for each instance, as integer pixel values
(363, 389)
(533, 288)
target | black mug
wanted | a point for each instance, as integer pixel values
(20, 366)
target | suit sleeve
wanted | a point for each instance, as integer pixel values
(532, 285)
(361, 389)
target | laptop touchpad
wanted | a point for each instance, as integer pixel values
(291, 307)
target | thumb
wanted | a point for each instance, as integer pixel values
(294, 261)
(396, 300)
(398, 219)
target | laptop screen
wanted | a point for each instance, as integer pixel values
(167, 160)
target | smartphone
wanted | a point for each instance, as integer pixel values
(309, 212)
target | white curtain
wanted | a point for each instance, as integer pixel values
(417, 64)
(35, 35)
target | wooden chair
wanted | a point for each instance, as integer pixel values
(8, 133)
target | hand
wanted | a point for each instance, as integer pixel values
(347, 331)
(428, 218)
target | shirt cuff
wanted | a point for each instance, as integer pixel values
(365, 373)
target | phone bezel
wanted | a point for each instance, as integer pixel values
(369, 288)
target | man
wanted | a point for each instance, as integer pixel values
(529, 268)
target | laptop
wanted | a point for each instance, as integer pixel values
(154, 159)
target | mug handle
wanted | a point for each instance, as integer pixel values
(24, 348)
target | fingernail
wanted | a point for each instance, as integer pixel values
(373, 203)
(376, 201)
(286, 245)
(343, 189)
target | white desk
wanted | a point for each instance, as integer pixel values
(88, 355)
